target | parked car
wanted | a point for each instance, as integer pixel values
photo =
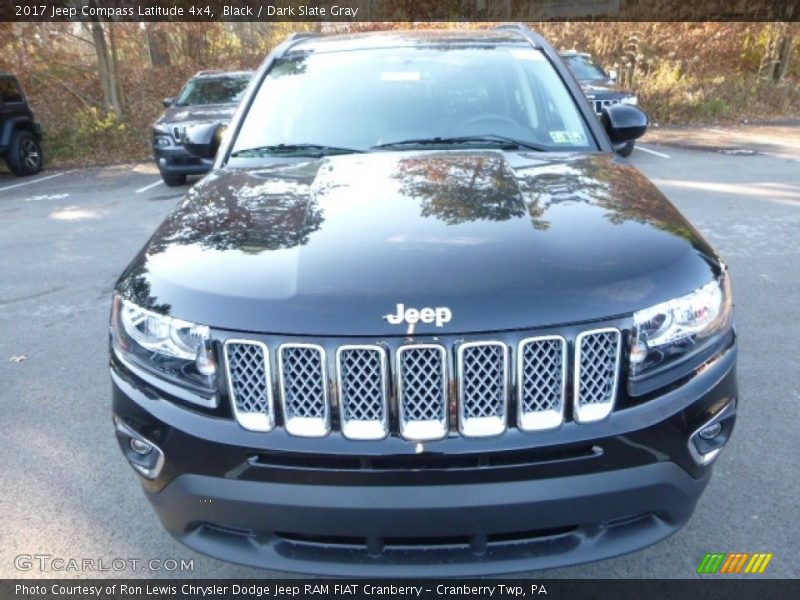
(209, 96)
(20, 133)
(600, 87)
(420, 321)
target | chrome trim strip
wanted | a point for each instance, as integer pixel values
(364, 430)
(481, 426)
(591, 413)
(306, 426)
(260, 422)
(546, 419)
(422, 431)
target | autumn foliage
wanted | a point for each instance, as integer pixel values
(683, 72)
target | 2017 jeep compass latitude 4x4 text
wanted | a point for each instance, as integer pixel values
(419, 320)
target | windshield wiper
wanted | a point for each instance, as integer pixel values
(295, 150)
(491, 139)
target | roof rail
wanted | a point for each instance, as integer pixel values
(529, 34)
(512, 27)
(301, 35)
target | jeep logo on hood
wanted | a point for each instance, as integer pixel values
(439, 315)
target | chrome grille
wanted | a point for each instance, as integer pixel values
(304, 389)
(420, 383)
(177, 133)
(247, 368)
(541, 382)
(422, 391)
(482, 388)
(596, 368)
(363, 391)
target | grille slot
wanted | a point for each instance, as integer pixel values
(304, 389)
(482, 388)
(422, 391)
(249, 382)
(363, 392)
(597, 355)
(541, 382)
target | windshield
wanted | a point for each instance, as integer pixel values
(216, 90)
(364, 99)
(584, 68)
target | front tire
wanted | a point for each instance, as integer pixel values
(626, 149)
(24, 156)
(173, 180)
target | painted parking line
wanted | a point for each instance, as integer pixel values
(643, 149)
(32, 181)
(148, 187)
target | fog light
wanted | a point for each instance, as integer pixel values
(710, 432)
(141, 447)
(638, 353)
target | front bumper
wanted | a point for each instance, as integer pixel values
(462, 507)
(174, 160)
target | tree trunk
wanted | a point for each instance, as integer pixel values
(783, 58)
(157, 46)
(105, 70)
(118, 100)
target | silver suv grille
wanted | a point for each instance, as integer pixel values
(542, 372)
(483, 388)
(596, 368)
(363, 392)
(249, 383)
(304, 389)
(420, 390)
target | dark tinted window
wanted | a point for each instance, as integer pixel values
(10, 91)
(217, 90)
(584, 68)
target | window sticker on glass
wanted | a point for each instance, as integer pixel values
(526, 54)
(400, 76)
(576, 138)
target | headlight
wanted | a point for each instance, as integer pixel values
(176, 350)
(669, 332)
(629, 100)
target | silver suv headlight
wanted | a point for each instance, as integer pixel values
(175, 350)
(672, 331)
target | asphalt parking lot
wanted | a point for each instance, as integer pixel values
(65, 236)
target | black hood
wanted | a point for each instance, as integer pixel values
(176, 115)
(504, 240)
(608, 87)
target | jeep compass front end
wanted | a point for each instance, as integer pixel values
(419, 321)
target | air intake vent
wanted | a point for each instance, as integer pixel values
(247, 368)
(541, 382)
(422, 391)
(482, 388)
(596, 370)
(363, 392)
(304, 389)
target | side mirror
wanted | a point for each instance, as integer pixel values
(612, 74)
(167, 102)
(623, 122)
(203, 140)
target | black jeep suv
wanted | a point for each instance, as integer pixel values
(209, 96)
(20, 134)
(600, 87)
(418, 320)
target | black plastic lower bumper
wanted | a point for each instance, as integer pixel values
(462, 507)
(175, 160)
(429, 530)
